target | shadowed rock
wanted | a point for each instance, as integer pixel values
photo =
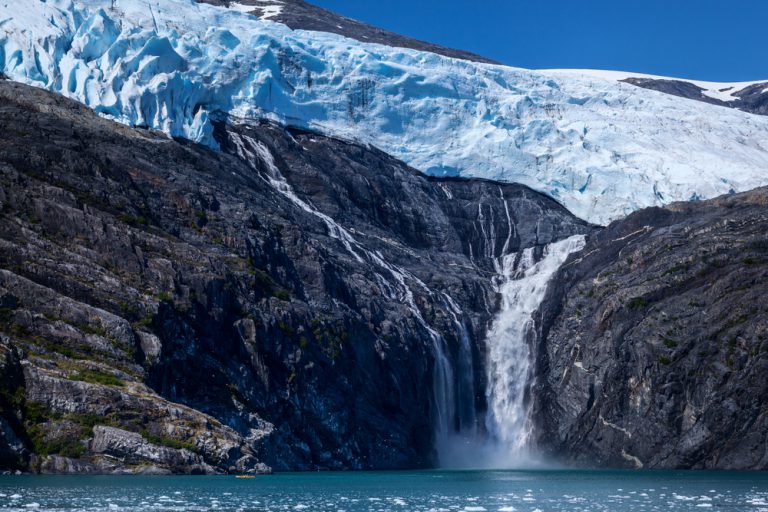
(175, 299)
(654, 345)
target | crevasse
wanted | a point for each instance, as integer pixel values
(602, 148)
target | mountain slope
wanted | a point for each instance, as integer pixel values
(746, 96)
(300, 15)
(602, 148)
(654, 345)
(291, 299)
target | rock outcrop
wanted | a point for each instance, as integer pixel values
(654, 341)
(282, 302)
(752, 98)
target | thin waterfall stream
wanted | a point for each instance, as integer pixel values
(444, 386)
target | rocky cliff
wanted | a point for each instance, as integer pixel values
(654, 341)
(291, 301)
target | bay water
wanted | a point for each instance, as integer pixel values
(465, 491)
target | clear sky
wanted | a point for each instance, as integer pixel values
(716, 40)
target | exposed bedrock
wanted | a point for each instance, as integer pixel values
(291, 301)
(654, 341)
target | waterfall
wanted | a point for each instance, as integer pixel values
(522, 285)
(445, 386)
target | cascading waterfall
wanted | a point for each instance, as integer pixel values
(523, 283)
(444, 383)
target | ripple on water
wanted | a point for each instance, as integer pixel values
(390, 492)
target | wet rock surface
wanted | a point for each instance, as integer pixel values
(168, 308)
(654, 341)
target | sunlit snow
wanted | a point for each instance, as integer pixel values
(723, 91)
(270, 8)
(601, 147)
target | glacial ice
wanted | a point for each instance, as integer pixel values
(600, 147)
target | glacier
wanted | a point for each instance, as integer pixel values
(602, 148)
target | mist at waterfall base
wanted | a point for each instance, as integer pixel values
(503, 441)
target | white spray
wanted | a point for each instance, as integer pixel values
(522, 287)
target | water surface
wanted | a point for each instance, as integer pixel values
(466, 491)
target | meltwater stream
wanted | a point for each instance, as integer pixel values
(524, 283)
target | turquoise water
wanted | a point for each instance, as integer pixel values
(467, 491)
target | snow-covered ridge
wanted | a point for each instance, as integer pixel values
(270, 8)
(723, 91)
(602, 148)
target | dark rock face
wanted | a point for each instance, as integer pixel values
(167, 308)
(752, 99)
(14, 455)
(300, 15)
(654, 346)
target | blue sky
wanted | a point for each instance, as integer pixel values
(705, 39)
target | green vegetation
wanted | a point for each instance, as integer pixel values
(97, 377)
(732, 322)
(143, 322)
(164, 297)
(202, 218)
(637, 303)
(286, 328)
(168, 442)
(676, 269)
(12, 401)
(664, 360)
(264, 284)
(670, 343)
(58, 348)
(36, 415)
(19, 331)
(91, 329)
(71, 448)
(6, 314)
(332, 337)
(133, 220)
